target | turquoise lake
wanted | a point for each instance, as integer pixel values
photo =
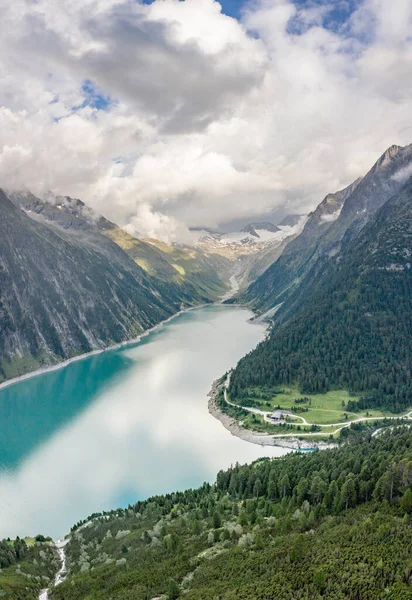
(122, 425)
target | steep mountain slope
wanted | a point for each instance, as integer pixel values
(350, 327)
(293, 262)
(204, 274)
(66, 289)
(341, 214)
(308, 527)
(199, 275)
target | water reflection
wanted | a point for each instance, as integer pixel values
(32, 410)
(141, 426)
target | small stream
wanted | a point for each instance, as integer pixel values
(61, 573)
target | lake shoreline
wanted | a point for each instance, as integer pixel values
(132, 341)
(61, 365)
(254, 437)
(140, 411)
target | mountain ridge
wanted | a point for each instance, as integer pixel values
(67, 289)
(351, 208)
(346, 326)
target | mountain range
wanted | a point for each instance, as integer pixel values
(252, 249)
(73, 281)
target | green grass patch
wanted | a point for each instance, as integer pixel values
(314, 408)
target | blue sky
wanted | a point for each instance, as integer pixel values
(338, 15)
(340, 12)
(230, 7)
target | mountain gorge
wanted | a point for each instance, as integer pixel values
(253, 249)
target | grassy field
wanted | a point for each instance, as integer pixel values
(322, 409)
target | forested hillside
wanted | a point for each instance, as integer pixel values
(26, 567)
(334, 524)
(350, 327)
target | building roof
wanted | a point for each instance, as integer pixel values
(278, 414)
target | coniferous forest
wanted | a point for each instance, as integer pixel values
(334, 524)
(348, 326)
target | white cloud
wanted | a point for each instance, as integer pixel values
(207, 119)
(403, 174)
(157, 225)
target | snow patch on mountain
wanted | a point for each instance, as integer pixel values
(253, 234)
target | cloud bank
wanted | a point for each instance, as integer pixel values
(171, 115)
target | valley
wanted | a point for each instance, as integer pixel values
(206, 300)
(322, 362)
(63, 264)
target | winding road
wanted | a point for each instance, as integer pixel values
(339, 426)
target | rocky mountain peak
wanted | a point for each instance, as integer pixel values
(390, 153)
(253, 228)
(290, 220)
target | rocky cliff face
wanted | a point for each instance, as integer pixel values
(195, 275)
(66, 289)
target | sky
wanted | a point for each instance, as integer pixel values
(232, 8)
(167, 114)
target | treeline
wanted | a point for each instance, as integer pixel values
(331, 481)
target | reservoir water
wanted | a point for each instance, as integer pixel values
(122, 425)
